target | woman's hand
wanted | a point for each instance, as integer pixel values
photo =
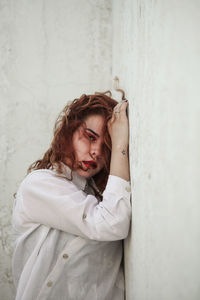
(118, 126)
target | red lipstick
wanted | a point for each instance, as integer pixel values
(90, 164)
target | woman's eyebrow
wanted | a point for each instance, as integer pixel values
(92, 131)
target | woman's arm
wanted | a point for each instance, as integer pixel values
(45, 198)
(119, 132)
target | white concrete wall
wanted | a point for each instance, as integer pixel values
(156, 54)
(50, 52)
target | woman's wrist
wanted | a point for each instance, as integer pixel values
(117, 147)
(119, 165)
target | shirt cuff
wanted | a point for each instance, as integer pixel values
(119, 186)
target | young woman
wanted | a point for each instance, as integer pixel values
(73, 209)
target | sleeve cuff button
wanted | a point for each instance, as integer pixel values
(128, 188)
(49, 284)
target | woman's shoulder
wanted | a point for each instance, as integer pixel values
(43, 176)
(46, 182)
(42, 173)
(50, 179)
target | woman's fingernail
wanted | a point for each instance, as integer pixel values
(125, 100)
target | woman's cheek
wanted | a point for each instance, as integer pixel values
(82, 149)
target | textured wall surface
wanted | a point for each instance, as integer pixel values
(156, 54)
(50, 52)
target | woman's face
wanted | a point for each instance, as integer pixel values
(87, 143)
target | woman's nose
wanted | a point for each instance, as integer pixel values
(96, 150)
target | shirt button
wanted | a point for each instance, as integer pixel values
(128, 188)
(84, 216)
(49, 284)
(65, 256)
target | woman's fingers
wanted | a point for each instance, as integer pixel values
(120, 109)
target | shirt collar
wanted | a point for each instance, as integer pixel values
(76, 178)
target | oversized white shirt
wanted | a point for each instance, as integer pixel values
(68, 245)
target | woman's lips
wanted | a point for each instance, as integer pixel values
(90, 164)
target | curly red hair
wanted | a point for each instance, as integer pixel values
(70, 118)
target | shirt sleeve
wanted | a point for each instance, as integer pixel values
(59, 204)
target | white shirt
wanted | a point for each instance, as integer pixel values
(68, 245)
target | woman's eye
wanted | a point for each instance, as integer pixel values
(92, 138)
